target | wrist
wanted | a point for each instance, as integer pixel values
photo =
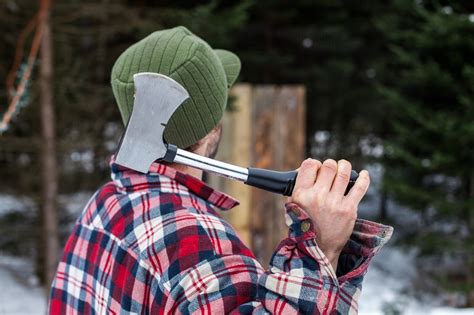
(331, 253)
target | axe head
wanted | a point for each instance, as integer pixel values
(156, 98)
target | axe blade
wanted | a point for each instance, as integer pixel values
(156, 98)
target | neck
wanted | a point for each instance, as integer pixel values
(187, 170)
(200, 150)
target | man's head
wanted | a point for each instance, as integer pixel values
(205, 73)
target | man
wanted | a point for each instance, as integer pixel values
(155, 243)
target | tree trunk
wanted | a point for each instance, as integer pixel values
(49, 185)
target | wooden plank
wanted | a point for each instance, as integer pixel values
(264, 204)
(278, 137)
(266, 129)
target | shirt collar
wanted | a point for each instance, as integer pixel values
(164, 177)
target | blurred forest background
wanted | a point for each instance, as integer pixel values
(390, 86)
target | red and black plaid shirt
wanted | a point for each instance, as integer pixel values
(155, 244)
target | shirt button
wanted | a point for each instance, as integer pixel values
(305, 226)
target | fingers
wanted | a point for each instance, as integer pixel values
(359, 189)
(325, 176)
(307, 173)
(343, 176)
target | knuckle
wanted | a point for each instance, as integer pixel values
(361, 189)
(343, 176)
(366, 181)
(297, 194)
(349, 210)
(344, 209)
(311, 163)
(306, 162)
(334, 204)
(330, 164)
(320, 199)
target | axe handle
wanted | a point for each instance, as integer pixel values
(277, 182)
(281, 182)
(206, 164)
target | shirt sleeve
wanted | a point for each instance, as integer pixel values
(299, 280)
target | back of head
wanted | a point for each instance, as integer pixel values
(205, 73)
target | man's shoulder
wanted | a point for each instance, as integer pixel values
(170, 231)
(97, 205)
(170, 243)
(162, 228)
(120, 212)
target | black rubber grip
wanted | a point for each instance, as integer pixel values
(352, 180)
(278, 182)
(281, 182)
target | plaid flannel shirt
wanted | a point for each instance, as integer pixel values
(155, 244)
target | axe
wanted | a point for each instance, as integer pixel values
(156, 98)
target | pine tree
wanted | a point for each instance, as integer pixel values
(429, 88)
(330, 47)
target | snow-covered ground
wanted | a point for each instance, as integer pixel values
(387, 283)
(19, 290)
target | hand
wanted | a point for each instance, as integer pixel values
(319, 190)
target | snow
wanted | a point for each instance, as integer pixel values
(389, 272)
(20, 293)
(10, 203)
(73, 204)
(386, 288)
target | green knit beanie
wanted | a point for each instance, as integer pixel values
(205, 73)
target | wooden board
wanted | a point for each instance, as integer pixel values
(265, 129)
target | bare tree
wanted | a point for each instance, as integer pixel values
(49, 182)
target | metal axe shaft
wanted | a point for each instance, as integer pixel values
(273, 181)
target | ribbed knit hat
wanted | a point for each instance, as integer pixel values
(205, 73)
